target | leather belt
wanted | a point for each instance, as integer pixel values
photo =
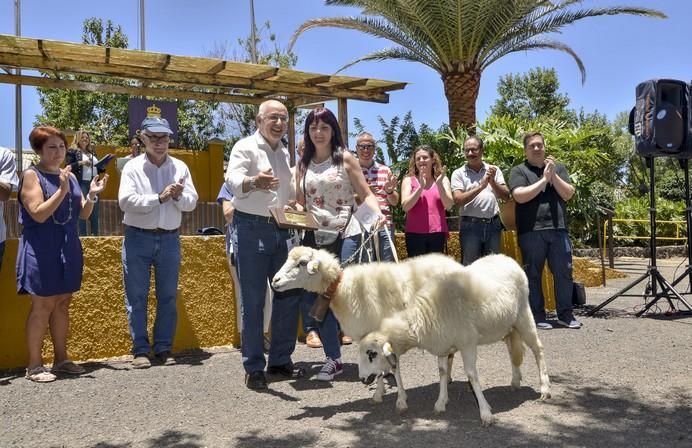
(157, 230)
(255, 218)
(475, 220)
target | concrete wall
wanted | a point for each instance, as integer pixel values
(98, 323)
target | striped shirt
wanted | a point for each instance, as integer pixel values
(376, 176)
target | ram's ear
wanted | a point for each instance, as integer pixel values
(313, 267)
(389, 354)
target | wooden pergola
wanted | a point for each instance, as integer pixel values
(142, 73)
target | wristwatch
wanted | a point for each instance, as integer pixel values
(389, 192)
(253, 183)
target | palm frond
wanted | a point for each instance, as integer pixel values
(398, 53)
(537, 44)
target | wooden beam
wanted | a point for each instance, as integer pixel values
(217, 68)
(343, 119)
(154, 74)
(265, 74)
(126, 90)
(317, 80)
(353, 83)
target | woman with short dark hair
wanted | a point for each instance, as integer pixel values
(49, 258)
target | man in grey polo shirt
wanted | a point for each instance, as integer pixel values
(476, 187)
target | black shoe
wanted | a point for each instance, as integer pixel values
(256, 380)
(165, 358)
(287, 370)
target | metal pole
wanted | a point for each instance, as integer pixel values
(141, 25)
(18, 93)
(253, 36)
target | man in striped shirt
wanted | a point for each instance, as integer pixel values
(383, 184)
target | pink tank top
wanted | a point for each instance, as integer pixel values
(428, 214)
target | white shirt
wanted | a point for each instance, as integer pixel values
(249, 156)
(140, 185)
(8, 175)
(484, 205)
(88, 171)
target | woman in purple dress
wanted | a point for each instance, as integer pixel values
(49, 259)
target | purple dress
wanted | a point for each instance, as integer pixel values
(49, 259)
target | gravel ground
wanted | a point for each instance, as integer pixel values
(617, 382)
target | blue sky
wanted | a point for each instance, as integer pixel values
(619, 52)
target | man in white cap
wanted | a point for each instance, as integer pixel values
(155, 189)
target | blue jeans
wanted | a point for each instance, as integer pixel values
(141, 251)
(329, 327)
(261, 251)
(479, 239)
(385, 249)
(93, 218)
(555, 246)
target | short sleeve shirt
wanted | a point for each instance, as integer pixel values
(547, 210)
(485, 204)
(8, 175)
(376, 176)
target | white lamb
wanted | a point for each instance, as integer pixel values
(485, 303)
(364, 294)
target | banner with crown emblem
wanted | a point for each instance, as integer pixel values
(138, 109)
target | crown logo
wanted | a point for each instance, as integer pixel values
(153, 111)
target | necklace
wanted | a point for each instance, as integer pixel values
(46, 196)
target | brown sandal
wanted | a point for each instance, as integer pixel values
(68, 367)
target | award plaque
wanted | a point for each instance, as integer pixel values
(293, 219)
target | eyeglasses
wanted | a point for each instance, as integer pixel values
(472, 149)
(275, 118)
(157, 138)
(366, 147)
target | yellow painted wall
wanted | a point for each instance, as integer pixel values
(205, 166)
(98, 323)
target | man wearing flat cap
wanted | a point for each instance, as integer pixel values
(155, 189)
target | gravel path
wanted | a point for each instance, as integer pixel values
(617, 382)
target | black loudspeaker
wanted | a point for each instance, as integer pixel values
(659, 120)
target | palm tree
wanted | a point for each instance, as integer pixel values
(461, 38)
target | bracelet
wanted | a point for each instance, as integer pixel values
(389, 192)
(93, 201)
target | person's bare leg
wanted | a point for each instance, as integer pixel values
(36, 324)
(59, 327)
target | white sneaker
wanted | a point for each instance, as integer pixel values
(330, 369)
(574, 323)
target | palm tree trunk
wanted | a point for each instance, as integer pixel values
(461, 90)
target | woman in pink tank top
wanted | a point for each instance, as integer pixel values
(425, 195)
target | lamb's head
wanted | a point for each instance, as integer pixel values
(376, 357)
(307, 268)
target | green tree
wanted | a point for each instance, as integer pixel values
(460, 38)
(531, 95)
(104, 115)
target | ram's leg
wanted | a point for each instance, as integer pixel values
(468, 356)
(401, 398)
(379, 390)
(450, 361)
(442, 399)
(528, 333)
(515, 347)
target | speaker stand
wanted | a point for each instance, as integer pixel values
(657, 287)
(687, 274)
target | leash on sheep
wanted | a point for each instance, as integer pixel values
(359, 251)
